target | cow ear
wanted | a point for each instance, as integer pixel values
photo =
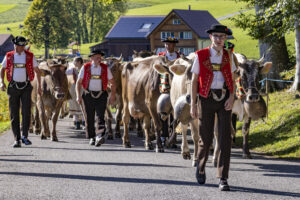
(177, 69)
(160, 69)
(266, 68)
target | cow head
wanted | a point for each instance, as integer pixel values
(142, 54)
(56, 79)
(115, 65)
(250, 72)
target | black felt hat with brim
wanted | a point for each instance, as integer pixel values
(170, 39)
(219, 28)
(20, 41)
(96, 52)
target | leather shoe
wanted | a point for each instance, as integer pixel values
(223, 185)
(26, 141)
(200, 177)
(17, 144)
(92, 141)
(99, 141)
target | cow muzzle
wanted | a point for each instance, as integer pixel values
(252, 95)
(59, 95)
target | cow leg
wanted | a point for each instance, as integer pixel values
(217, 145)
(245, 131)
(157, 126)
(118, 122)
(37, 122)
(125, 119)
(44, 119)
(139, 128)
(54, 121)
(147, 125)
(185, 151)
(132, 124)
(108, 123)
(195, 135)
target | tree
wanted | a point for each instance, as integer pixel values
(287, 12)
(47, 24)
(273, 46)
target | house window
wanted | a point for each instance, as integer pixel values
(185, 35)
(164, 35)
(176, 21)
(187, 51)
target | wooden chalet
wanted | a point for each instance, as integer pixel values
(147, 32)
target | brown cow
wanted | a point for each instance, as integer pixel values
(54, 92)
(140, 91)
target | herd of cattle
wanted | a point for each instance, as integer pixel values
(137, 92)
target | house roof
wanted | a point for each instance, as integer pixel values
(134, 26)
(4, 38)
(198, 20)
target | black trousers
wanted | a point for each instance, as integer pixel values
(95, 106)
(210, 107)
(15, 97)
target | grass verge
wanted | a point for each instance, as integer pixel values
(279, 135)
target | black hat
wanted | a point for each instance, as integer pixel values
(218, 28)
(95, 52)
(20, 41)
(170, 39)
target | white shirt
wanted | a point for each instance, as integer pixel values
(218, 80)
(71, 68)
(19, 74)
(95, 84)
(171, 56)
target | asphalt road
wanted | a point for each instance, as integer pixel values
(71, 169)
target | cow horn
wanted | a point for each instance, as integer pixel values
(261, 60)
(120, 58)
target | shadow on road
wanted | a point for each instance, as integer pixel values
(108, 179)
(91, 163)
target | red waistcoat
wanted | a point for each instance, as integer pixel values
(165, 52)
(10, 65)
(87, 75)
(206, 73)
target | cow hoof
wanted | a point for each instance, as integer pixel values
(118, 135)
(159, 149)
(30, 130)
(186, 155)
(247, 156)
(43, 137)
(149, 146)
(127, 145)
(37, 132)
(140, 134)
(110, 137)
(54, 139)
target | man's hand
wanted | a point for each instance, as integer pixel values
(194, 111)
(229, 102)
(2, 86)
(79, 100)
